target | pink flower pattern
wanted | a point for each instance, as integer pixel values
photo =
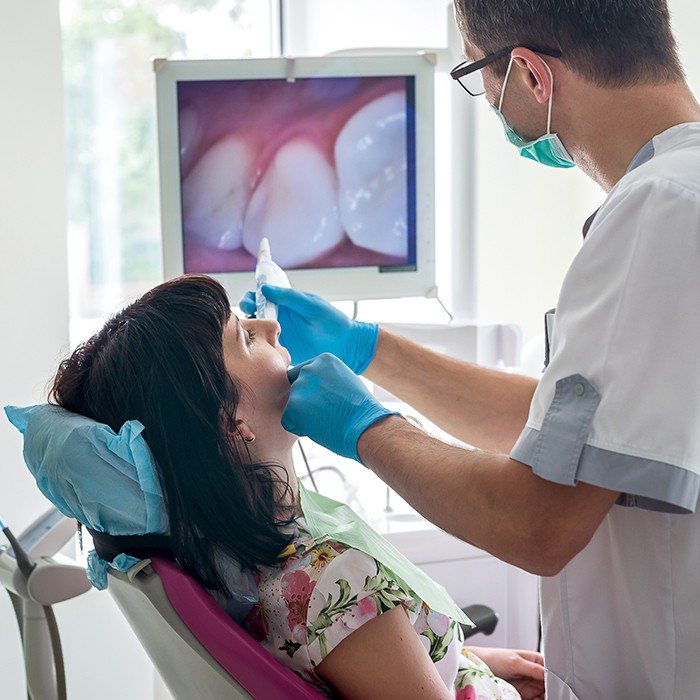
(468, 693)
(363, 611)
(297, 588)
(300, 608)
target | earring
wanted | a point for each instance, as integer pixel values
(249, 440)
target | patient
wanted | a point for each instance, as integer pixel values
(210, 390)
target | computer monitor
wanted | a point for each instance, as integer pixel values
(331, 159)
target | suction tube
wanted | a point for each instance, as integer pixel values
(24, 563)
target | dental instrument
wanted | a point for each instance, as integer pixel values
(267, 272)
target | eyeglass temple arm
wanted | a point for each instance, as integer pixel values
(461, 70)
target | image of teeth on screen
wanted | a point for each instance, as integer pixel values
(322, 167)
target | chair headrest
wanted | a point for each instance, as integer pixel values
(105, 480)
(108, 482)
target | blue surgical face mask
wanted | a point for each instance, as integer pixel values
(548, 149)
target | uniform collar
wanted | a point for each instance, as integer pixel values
(667, 140)
(644, 154)
(589, 222)
(674, 137)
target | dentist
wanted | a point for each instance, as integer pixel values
(589, 477)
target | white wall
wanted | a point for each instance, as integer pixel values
(33, 278)
(528, 227)
(34, 313)
(685, 15)
(316, 27)
(529, 217)
(33, 281)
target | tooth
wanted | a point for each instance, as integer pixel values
(295, 206)
(190, 136)
(370, 157)
(215, 194)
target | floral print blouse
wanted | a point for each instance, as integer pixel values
(324, 591)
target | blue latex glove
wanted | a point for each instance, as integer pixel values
(329, 404)
(311, 326)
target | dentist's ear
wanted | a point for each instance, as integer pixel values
(538, 73)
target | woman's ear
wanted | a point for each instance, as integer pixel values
(243, 432)
(236, 429)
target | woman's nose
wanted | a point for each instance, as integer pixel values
(271, 329)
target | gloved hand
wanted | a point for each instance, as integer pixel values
(311, 326)
(329, 404)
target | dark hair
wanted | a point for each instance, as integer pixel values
(160, 361)
(611, 43)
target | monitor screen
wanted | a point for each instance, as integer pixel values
(324, 167)
(330, 158)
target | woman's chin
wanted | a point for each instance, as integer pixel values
(290, 438)
(285, 356)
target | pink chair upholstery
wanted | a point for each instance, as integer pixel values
(239, 654)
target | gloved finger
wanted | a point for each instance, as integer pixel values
(247, 303)
(293, 372)
(294, 404)
(291, 298)
(289, 425)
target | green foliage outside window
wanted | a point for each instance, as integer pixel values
(111, 132)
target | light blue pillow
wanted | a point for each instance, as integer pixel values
(108, 481)
(103, 479)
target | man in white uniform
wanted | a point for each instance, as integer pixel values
(590, 477)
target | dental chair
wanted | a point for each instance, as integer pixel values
(199, 651)
(107, 481)
(197, 648)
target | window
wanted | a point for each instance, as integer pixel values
(113, 210)
(113, 200)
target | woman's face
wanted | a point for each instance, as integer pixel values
(258, 364)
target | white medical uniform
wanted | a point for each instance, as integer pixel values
(618, 406)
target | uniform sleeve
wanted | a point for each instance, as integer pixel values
(619, 404)
(353, 589)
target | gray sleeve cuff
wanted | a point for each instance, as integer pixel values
(559, 453)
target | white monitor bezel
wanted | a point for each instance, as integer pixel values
(334, 284)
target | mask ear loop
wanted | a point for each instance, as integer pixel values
(551, 100)
(505, 82)
(551, 96)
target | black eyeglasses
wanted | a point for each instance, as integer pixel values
(468, 74)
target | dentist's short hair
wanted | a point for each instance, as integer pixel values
(611, 43)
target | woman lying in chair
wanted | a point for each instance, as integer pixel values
(210, 390)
